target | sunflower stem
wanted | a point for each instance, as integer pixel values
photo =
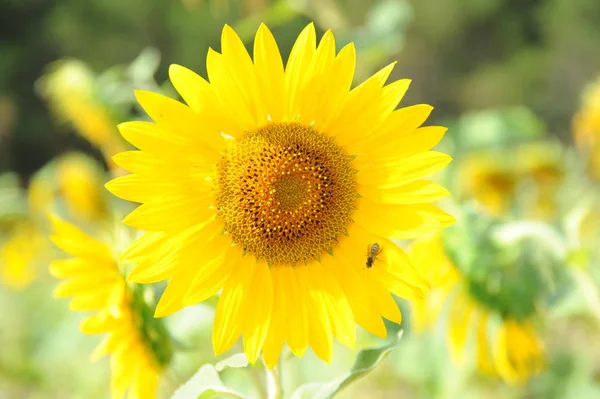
(274, 388)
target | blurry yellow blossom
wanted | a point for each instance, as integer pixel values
(21, 253)
(586, 128)
(138, 344)
(526, 175)
(68, 87)
(486, 178)
(75, 180)
(506, 342)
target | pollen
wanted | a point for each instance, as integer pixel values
(286, 193)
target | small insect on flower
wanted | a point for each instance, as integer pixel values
(372, 252)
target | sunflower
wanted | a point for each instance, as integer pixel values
(525, 176)
(72, 183)
(489, 179)
(506, 343)
(69, 88)
(586, 128)
(24, 249)
(272, 186)
(137, 343)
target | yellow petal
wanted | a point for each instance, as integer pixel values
(335, 302)
(332, 100)
(419, 141)
(397, 125)
(400, 221)
(381, 299)
(363, 105)
(85, 283)
(174, 116)
(149, 166)
(98, 323)
(320, 323)
(142, 245)
(243, 71)
(171, 214)
(74, 267)
(91, 300)
(319, 76)
(180, 284)
(369, 115)
(152, 138)
(484, 361)
(213, 277)
(500, 356)
(139, 189)
(200, 96)
(297, 67)
(403, 171)
(363, 307)
(269, 72)
(292, 298)
(276, 334)
(75, 242)
(419, 191)
(232, 92)
(459, 326)
(258, 310)
(229, 316)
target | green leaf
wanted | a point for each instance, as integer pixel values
(238, 360)
(498, 127)
(205, 384)
(145, 65)
(366, 361)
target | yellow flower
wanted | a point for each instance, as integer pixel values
(526, 175)
(68, 86)
(491, 181)
(506, 345)
(95, 282)
(20, 253)
(272, 185)
(75, 180)
(586, 128)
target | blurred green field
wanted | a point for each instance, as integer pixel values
(516, 82)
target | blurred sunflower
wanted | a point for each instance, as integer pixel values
(526, 175)
(21, 253)
(138, 344)
(586, 128)
(272, 185)
(506, 342)
(68, 87)
(73, 183)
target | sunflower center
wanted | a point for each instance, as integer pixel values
(291, 191)
(286, 193)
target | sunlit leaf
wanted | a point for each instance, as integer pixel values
(205, 384)
(366, 361)
(239, 360)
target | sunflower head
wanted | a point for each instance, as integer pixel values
(586, 128)
(523, 177)
(490, 289)
(72, 184)
(21, 253)
(70, 89)
(137, 343)
(271, 185)
(489, 179)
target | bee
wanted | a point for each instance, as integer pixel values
(372, 252)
